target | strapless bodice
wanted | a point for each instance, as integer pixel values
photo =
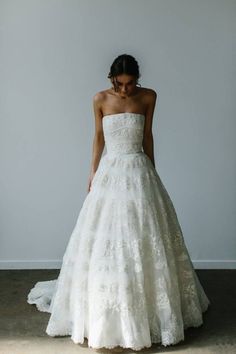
(123, 132)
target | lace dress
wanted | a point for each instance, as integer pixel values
(126, 277)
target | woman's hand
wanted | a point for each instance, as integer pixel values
(90, 181)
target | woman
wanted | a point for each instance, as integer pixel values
(123, 96)
(126, 279)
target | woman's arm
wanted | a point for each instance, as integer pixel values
(98, 140)
(148, 142)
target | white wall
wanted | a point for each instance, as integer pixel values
(55, 55)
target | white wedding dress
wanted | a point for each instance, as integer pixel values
(126, 277)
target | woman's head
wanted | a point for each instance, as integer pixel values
(124, 73)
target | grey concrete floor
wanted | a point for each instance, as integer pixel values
(22, 326)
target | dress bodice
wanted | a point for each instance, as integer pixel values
(123, 132)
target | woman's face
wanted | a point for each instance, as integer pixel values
(126, 84)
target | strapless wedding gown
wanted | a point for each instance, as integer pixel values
(126, 277)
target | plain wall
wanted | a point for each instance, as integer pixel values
(55, 55)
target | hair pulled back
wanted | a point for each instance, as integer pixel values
(124, 64)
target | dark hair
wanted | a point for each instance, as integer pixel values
(124, 64)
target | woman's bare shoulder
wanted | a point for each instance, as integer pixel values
(101, 95)
(148, 92)
(99, 100)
